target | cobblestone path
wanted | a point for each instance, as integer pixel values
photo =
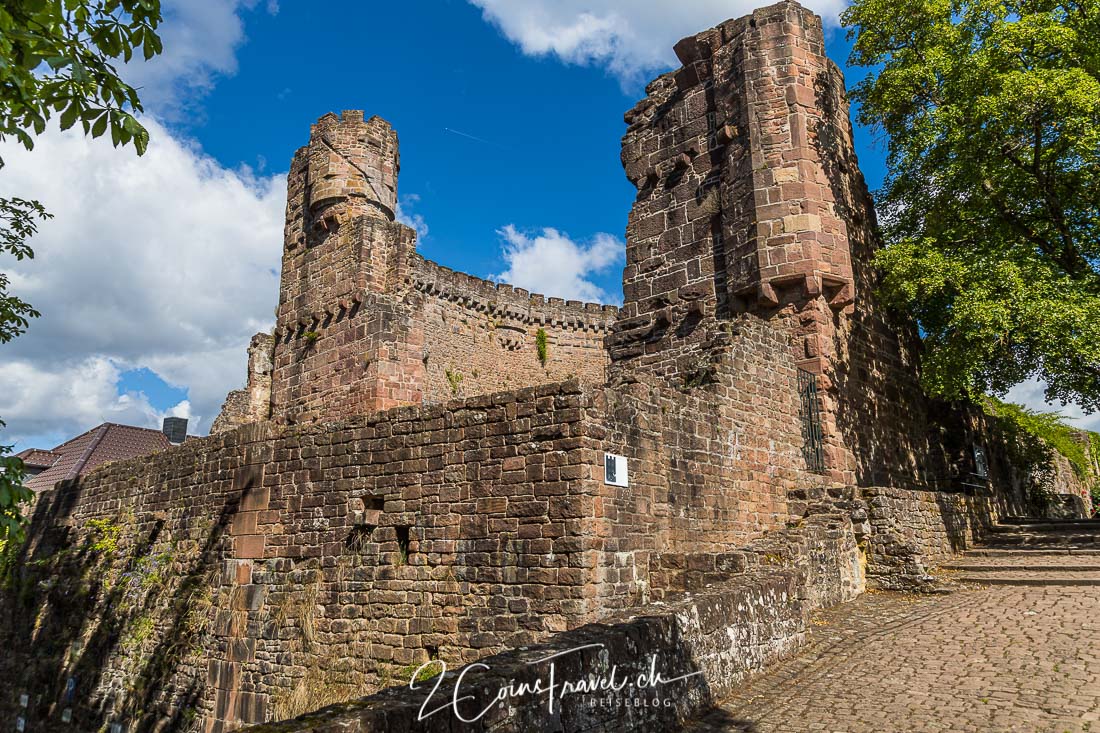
(982, 659)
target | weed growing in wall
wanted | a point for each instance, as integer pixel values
(540, 346)
(10, 548)
(455, 380)
(405, 674)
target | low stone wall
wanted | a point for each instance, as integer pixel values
(913, 531)
(904, 533)
(713, 640)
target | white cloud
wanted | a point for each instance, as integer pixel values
(1030, 394)
(629, 37)
(167, 261)
(554, 265)
(47, 404)
(407, 216)
(200, 40)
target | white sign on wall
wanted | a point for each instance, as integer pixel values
(614, 470)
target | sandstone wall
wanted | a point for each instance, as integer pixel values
(365, 324)
(377, 522)
(711, 457)
(750, 200)
(481, 337)
(237, 577)
(719, 637)
(911, 532)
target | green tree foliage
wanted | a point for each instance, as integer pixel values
(991, 207)
(12, 494)
(57, 57)
(18, 223)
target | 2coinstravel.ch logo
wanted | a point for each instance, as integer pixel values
(608, 688)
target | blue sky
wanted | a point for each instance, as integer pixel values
(547, 152)
(489, 136)
(156, 271)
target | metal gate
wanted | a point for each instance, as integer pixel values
(812, 444)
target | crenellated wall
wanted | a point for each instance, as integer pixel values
(482, 337)
(365, 324)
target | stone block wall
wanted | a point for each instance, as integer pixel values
(717, 638)
(482, 337)
(399, 507)
(343, 342)
(239, 577)
(365, 324)
(750, 199)
(266, 565)
(710, 458)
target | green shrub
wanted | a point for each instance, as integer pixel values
(1050, 428)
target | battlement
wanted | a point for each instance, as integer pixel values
(749, 200)
(364, 323)
(348, 169)
(507, 301)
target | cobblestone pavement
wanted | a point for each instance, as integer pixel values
(982, 659)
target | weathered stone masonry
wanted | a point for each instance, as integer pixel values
(408, 476)
(750, 199)
(366, 324)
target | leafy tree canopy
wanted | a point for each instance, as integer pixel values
(991, 206)
(58, 56)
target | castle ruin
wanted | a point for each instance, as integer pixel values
(420, 464)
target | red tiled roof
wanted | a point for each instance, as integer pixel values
(38, 458)
(108, 442)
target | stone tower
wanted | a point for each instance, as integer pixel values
(750, 201)
(343, 256)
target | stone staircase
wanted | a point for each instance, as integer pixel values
(1049, 552)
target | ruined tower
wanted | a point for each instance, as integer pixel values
(365, 324)
(343, 256)
(750, 201)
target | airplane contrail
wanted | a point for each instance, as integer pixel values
(472, 137)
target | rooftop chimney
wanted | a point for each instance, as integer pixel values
(175, 429)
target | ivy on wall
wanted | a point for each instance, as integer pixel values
(1036, 436)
